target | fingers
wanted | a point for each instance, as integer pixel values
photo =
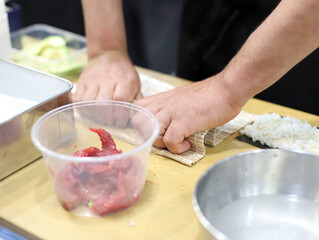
(143, 102)
(79, 93)
(105, 92)
(163, 122)
(85, 93)
(90, 93)
(109, 76)
(159, 141)
(174, 138)
(124, 92)
(172, 134)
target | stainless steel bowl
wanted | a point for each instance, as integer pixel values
(264, 194)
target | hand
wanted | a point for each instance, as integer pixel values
(110, 76)
(186, 110)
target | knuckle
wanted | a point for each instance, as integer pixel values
(169, 140)
(120, 97)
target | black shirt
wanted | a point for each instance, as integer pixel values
(212, 32)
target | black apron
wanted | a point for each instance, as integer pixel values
(212, 32)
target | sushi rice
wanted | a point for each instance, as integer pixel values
(283, 132)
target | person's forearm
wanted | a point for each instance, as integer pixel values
(286, 37)
(104, 26)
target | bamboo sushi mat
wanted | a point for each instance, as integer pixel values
(211, 137)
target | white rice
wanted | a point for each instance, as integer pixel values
(284, 133)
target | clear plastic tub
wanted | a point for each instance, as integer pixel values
(50, 49)
(91, 186)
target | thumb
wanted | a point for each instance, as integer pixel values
(143, 101)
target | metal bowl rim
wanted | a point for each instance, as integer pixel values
(203, 220)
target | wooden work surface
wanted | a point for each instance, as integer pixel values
(164, 210)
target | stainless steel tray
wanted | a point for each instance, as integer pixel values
(25, 95)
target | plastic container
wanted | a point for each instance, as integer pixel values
(90, 186)
(50, 49)
(5, 46)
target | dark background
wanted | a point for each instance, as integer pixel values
(153, 29)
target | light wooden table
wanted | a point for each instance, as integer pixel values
(164, 211)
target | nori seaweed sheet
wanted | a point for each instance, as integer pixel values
(246, 139)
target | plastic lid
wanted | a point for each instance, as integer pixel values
(2, 8)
